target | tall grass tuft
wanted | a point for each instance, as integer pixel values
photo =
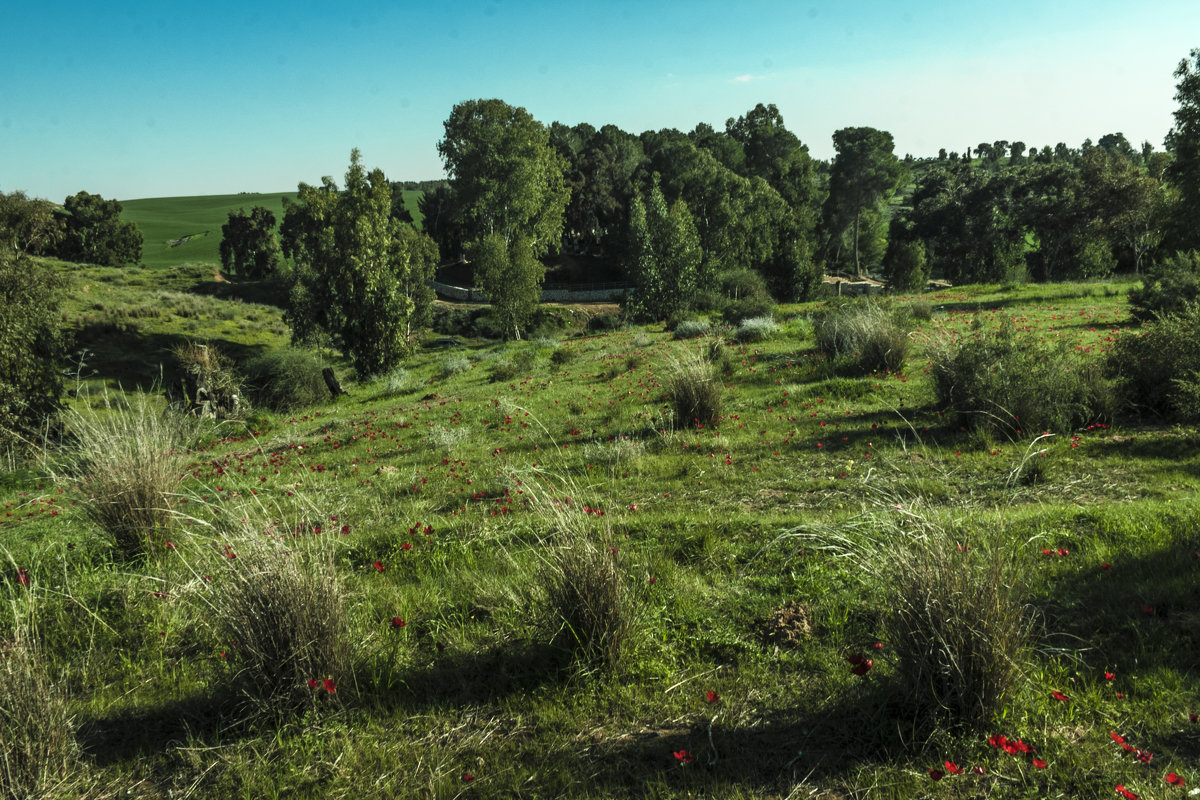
(865, 332)
(283, 613)
(129, 455)
(694, 391)
(37, 738)
(286, 379)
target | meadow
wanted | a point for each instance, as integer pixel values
(457, 514)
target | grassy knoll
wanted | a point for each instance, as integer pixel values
(182, 230)
(757, 653)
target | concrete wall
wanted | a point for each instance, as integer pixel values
(601, 294)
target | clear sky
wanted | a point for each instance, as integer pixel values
(148, 99)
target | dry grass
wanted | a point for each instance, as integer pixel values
(129, 456)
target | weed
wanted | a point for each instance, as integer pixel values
(755, 329)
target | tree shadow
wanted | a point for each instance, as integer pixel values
(272, 291)
(133, 734)
(126, 357)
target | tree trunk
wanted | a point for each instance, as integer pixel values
(857, 266)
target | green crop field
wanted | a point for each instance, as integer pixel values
(459, 529)
(187, 230)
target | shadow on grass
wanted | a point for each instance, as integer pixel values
(124, 356)
(268, 291)
(144, 732)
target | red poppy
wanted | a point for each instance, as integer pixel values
(712, 696)
(1144, 756)
(1174, 779)
(997, 740)
(329, 685)
(1039, 763)
(1194, 718)
(467, 777)
(936, 774)
(379, 567)
(406, 546)
(397, 622)
(23, 577)
(1062, 551)
(313, 683)
(1109, 676)
(1121, 790)
(684, 757)
(1106, 566)
(952, 768)
(1059, 696)
(978, 770)
(1116, 737)
(1148, 610)
(863, 668)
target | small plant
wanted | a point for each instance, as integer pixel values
(130, 459)
(502, 371)
(692, 329)
(286, 379)
(755, 329)
(455, 365)
(694, 391)
(37, 737)
(284, 613)
(605, 322)
(921, 310)
(446, 439)
(396, 382)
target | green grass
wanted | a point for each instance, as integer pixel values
(723, 537)
(183, 230)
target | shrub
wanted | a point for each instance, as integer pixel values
(864, 331)
(1170, 287)
(589, 604)
(30, 347)
(743, 295)
(692, 328)
(454, 365)
(755, 329)
(37, 739)
(920, 310)
(204, 384)
(396, 382)
(130, 458)
(286, 379)
(563, 355)
(605, 322)
(1157, 368)
(905, 266)
(694, 391)
(503, 371)
(998, 381)
(285, 609)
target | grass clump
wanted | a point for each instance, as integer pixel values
(755, 329)
(129, 456)
(286, 379)
(285, 610)
(997, 381)
(455, 365)
(37, 737)
(1158, 367)
(692, 329)
(694, 391)
(865, 332)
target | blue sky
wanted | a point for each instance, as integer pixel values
(143, 99)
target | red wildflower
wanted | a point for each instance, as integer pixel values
(1121, 790)
(169, 545)
(379, 567)
(712, 696)
(1039, 763)
(1194, 718)
(1059, 696)
(1116, 737)
(1144, 756)
(997, 740)
(684, 757)
(397, 622)
(1062, 551)
(406, 546)
(863, 668)
(952, 768)
(329, 685)
(1106, 566)
(1174, 779)
(23, 577)
(936, 774)
(1109, 676)
(978, 770)
(1148, 610)
(313, 683)
(467, 777)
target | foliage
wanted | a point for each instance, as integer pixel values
(360, 274)
(31, 346)
(691, 329)
(204, 383)
(249, 246)
(864, 331)
(93, 232)
(864, 173)
(129, 457)
(601, 171)
(1000, 381)
(455, 365)
(286, 379)
(741, 294)
(1183, 143)
(905, 266)
(27, 225)
(1158, 366)
(1170, 287)
(694, 391)
(284, 613)
(755, 329)
(512, 279)
(605, 322)
(662, 258)
(37, 736)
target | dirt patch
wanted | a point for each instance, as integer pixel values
(788, 626)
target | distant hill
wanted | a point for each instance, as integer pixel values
(187, 230)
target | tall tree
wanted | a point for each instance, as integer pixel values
(94, 233)
(508, 187)
(1183, 142)
(864, 173)
(354, 264)
(662, 258)
(249, 245)
(27, 225)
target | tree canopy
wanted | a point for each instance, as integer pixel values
(249, 245)
(94, 233)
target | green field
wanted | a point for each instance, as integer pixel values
(187, 230)
(754, 553)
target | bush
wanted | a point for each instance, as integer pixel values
(37, 738)
(755, 329)
(503, 371)
(396, 382)
(30, 348)
(997, 381)
(563, 355)
(204, 384)
(130, 457)
(694, 391)
(864, 331)
(285, 609)
(286, 379)
(605, 322)
(1157, 368)
(905, 266)
(692, 328)
(743, 295)
(1171, 287)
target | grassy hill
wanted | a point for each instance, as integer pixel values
(186, 230)
(468, 525)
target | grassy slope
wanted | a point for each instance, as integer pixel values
(705, 522)
(166, 219)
